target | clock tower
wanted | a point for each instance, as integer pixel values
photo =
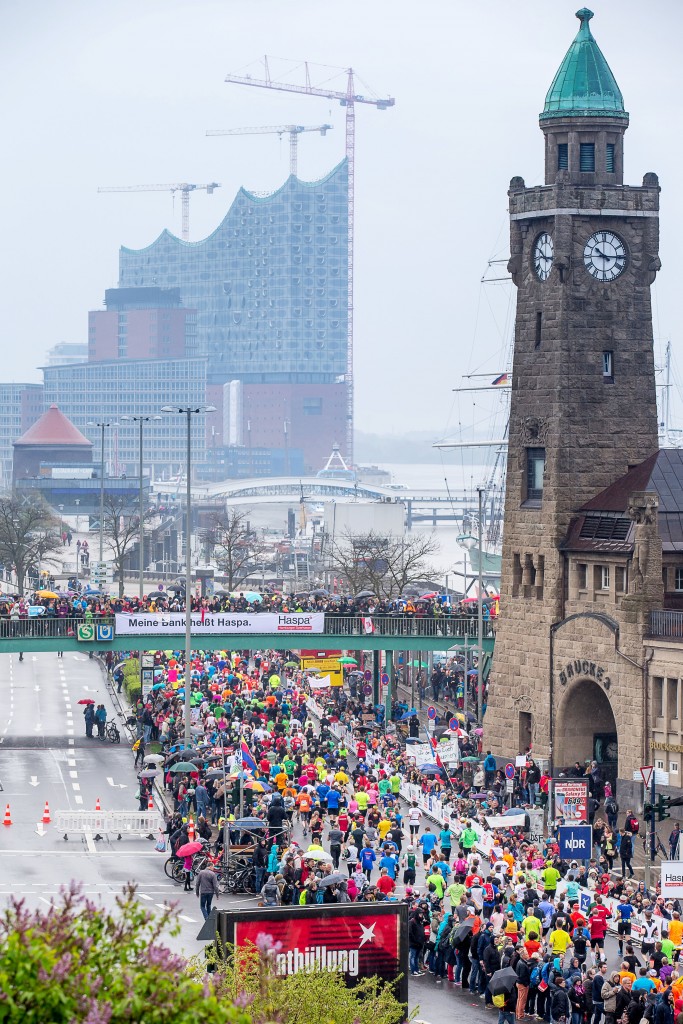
(583, 255)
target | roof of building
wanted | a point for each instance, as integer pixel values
(584, 85)
(603, 523)
(53, 428)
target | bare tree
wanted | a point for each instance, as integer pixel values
(385, 565)
(122, 529)
(233, 545)
(29, 535)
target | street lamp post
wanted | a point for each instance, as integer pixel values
(141, 420)
(188, 412)
(467, 541)
(480, 617)
(102, 427)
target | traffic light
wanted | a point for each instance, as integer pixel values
(663, 805)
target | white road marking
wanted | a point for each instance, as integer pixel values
(76, 786)
(33, 780)
(69, 732)
(78, 799)
(144, 896)
(71, 743)
(89, 843)
(42, 898)
(190, 920)
(38, 727)
(73, 775)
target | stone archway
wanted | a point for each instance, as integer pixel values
(586, 728)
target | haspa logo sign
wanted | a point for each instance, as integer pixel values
(360, 940)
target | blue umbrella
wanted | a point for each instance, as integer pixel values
(429, 769)
(159, 686)
(408, 714)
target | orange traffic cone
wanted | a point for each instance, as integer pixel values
(97, 805)
(46, 814)
(190, 830)
(8, 816)
(150, 803)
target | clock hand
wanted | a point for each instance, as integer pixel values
(601, 254)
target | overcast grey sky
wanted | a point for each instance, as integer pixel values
(122, 92)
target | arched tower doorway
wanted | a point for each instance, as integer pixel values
(586, 729)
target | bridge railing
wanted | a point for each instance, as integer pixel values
(666, 624)
(49, 628)
(457, 627)
(401, 625)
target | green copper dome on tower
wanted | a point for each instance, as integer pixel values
(584, 85)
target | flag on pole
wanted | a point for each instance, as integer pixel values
(368, 624)
(500, 381)
(247, 760)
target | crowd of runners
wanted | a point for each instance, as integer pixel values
(323, 810)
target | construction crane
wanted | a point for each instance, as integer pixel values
(183, 187)
(293, 130)
(347, 98)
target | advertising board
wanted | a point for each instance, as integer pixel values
(359, 939)
(570, 800)
(672, 879)
(129, 624)
(328, 666)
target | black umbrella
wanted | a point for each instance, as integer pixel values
(320, 593)
(503, 982)
(177, 587)
(149, 774)
(365, 593)
(462, 932)
(157, 594)
(334, 879)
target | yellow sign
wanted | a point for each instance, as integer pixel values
(328, 667)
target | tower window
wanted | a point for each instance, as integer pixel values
(608, 367)
(587, 156)
(609, 162)
(562, 156)
(604, 577)
(678, 578)
(535, 468)
(539, 328)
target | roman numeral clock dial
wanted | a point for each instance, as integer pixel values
(604, 256)
(542, 256)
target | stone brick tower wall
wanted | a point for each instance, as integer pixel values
(588, 424)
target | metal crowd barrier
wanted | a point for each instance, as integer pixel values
(80, 822)
(119, 823)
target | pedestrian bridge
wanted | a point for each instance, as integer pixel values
(338, 633)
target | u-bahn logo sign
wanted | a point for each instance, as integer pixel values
(583, 669)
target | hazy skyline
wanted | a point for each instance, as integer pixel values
(122, 94)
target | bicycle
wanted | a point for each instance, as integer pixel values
(659, 846)
(112, 733)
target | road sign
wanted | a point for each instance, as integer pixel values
(367, 674)
(453, 723)
(85, 631)
(104, 632)
(576, 842)
(431, 713)
(509, 785)
(385, 679)
(367, 689)
(646, 774)
(509, 770)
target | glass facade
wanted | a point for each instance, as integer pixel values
(107, 391)
(270, 284)
(20, 406)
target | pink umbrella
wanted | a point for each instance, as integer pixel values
(189, 849)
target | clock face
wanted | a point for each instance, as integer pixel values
(543, 256)
(605, 256)
(612, 751)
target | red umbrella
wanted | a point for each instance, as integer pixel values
(189, 849)
(429, 597)
(86, 700)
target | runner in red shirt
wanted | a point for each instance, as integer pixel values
(385, 883)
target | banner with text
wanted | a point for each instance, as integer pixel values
(167, 623)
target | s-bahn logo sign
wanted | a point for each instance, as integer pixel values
(167, 623)
(583, 669)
